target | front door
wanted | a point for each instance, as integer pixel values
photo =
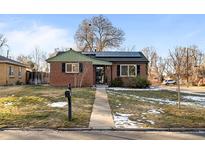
(100, 74)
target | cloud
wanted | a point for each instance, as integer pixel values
(44, 36)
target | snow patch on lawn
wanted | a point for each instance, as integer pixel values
(58, 104)
(151, 122)
(165, 101)
(161, 101)
(134, 89)
(123, 121)
(155, 111)
(195, 98)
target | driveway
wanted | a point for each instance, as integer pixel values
(98, 135)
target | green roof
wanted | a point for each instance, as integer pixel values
(75, 56)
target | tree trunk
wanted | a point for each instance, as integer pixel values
(178, 91)
(187, 67)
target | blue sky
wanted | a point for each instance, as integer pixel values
(164, 32)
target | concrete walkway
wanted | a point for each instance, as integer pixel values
(101, 117)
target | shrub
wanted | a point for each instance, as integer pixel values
(116, 82)
(19, 82)
(141, 82)
(131, 82)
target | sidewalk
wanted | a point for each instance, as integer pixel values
(101, 117)
(98, 135)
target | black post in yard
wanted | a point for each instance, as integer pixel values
(68, 95)
(69, 109)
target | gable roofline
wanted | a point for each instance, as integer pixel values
(11, 61)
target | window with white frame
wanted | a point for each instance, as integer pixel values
(72, 68)
(127, 70)
(11, 71)
(20, 72)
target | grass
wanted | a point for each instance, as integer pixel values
(171, 117)
(29, 108)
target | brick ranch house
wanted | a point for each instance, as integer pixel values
(90, 68)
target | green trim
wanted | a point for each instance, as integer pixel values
(100, 62)
(74, 56)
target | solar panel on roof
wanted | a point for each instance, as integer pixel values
(118, 54)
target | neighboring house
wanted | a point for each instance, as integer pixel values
(11, 72)
(91, 68)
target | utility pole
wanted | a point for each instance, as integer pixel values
(7, 53)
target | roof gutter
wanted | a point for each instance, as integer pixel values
(13, 63)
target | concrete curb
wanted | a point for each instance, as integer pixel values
(202, 130)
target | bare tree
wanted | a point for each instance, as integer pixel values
(199, 68)
(151, 54)
(161, 67)
(36, 61)
(84, 36)
(177, 64)
(98, 34)
(27, 60)
(190, 57)
(3, 44)
(38, 58)
(157, 64)
(192, 65)
(128, 48)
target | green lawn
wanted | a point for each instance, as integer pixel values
(28, 106)
(143, 105)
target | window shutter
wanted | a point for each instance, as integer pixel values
(63, 67)
(81, 67)
(138, 70)
(118, 70)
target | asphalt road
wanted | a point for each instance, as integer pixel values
(200, 90)
(98, 135)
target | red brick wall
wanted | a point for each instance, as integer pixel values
(108, 74)
(94, 75)
(126, 80)
(114, 71)
(143, 70)
(59, 78)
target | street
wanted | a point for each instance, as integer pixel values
(190, 89)
(99, 135)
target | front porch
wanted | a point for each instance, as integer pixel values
(102, 74)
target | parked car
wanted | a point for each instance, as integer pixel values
(169, 82)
